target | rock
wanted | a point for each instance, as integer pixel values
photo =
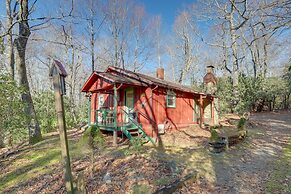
(137, 178)
(173, 167)
(107, 178)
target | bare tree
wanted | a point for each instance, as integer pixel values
(90, 12)
(268, 20)
(92, 33)
(117, 13)
(236, 19)
(9, 44)
(158, 21)
(184, 44)
(142, 41)
(20, 43)
(231, 16)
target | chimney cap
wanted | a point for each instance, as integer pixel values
(211, 66)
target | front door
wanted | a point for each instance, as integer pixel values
(128, 104)
(196, 112)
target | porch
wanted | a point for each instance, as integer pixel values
(119, 121)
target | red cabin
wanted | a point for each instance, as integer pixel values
(122, 100)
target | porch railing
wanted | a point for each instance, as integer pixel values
(105, 117)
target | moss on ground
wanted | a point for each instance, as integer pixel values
(36, 160)
(280, 179)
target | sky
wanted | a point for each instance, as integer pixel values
(168, 9)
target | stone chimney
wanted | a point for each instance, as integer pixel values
(210, 80)
(209, 69)
(161, 73)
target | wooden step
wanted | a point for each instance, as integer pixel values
(135, 133)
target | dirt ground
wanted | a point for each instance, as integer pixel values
(247, 167)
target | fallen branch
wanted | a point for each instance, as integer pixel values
(171, 188)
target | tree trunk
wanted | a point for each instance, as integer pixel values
(136, 52)
(20, 48)
(187, 57)
(235, 73)
(265, 64)
(274, 102)
(10, 52)
(287, 101)
(115, 48)
(73, 84)
(270, 105)
(92, 42)
(2, 145)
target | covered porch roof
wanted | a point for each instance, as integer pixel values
(110, 79)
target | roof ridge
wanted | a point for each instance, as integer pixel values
(133, 75)
(152, 80)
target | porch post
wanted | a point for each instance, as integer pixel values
(115, 116)
(201, 112)
(89, 110)
(212, 111)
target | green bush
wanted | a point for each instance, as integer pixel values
(46, 113)
(241, 124)
(93, 137)
(254, 94)
(137, 143)
(44, 103)
(12, 117)
(136, 146)
(214, 136)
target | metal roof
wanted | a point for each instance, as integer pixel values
(149, 80)
(118, 75)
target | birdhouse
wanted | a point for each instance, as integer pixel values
(58, 70)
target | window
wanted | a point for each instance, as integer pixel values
(100, 101)
(171, 99)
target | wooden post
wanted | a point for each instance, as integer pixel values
(89, 110)
(212, 110)
(201, 111)
(59, 89)
(115, 116)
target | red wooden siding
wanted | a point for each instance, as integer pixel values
(151, 106)
(145, 110)
(179, 116)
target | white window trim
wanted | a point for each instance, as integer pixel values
(100, 96)
(172, 94)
